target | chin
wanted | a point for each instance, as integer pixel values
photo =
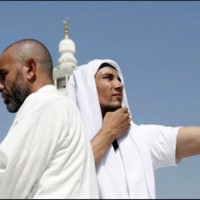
(119, 105)
(113, 108)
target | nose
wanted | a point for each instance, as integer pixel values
(119, 85)
(1, 86)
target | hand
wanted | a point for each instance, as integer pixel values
(116, 123)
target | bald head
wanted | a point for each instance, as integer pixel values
(25, 49)
(25, 67)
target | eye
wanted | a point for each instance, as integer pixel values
(3, 75)
(108, 76)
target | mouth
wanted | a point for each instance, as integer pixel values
(5, 98)
(118, 96)
(3, 95)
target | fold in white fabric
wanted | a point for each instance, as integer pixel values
(45, 154)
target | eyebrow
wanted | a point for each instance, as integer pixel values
(111, 75)
(108, 73)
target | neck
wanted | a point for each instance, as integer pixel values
(35, 87)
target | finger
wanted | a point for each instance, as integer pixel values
(125, 109)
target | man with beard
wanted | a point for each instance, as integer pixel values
(46, 153)
(126, 154)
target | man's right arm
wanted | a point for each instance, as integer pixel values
(115, 125)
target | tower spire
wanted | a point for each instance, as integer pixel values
(67, 62)
(66, 28)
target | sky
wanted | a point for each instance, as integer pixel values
(157, 46)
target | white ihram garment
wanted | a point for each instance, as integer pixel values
(46, 154)
(128, 172)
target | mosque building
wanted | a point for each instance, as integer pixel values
(67, 62)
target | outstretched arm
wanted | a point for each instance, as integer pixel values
(188, 142)
(115, 124)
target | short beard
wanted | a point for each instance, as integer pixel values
(109, 109)
(19, 92)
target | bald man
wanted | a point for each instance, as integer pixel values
(46, 153)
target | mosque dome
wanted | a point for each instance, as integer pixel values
(66, 45)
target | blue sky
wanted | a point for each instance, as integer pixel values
(156, 44)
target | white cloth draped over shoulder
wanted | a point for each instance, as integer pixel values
(46, 154)
(128, 172)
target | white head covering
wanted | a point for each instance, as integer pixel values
(114, 180)
(82, 89)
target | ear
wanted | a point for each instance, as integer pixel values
(31, 67)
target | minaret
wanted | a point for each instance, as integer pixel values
(66, 63)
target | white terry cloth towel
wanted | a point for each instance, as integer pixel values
(127, 179)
